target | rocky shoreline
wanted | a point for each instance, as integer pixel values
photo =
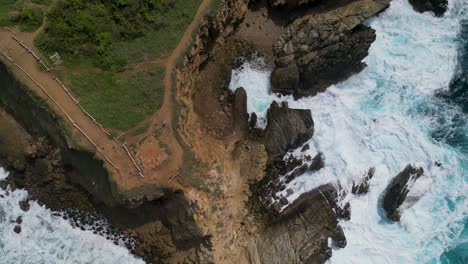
(236, 214)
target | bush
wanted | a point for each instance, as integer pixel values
(29, 19)
(89, 27)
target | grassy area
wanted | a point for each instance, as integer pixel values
(27, 14)
(120, 100)
(101, 42)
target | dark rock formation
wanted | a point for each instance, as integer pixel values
(290, 3)
(362, 187)
(24, 205)
(338, 237)
(287, 129)
(17, 229)
(397, 190)
(319, 50)
(300, 233)
(437, 6)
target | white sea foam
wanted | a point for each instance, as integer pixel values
(374, 119)
(46, 238)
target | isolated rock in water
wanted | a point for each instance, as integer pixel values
(397, 190)
(319, 50)
(362, 187)
(290, 3)
(17, 229)
(287, 129)
(437, 6)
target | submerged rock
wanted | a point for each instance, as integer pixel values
(319, 50)
(437, 6)
(287, 129)
(398, 189)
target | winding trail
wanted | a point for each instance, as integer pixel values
(86, 131)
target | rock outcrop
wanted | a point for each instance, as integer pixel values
(397, 190)
(300, 233)
(362, 187)
(319, 50)
(290, 3)
(287, 128)
(437, 6)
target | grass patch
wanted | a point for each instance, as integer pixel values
(28, 14)
(159, 42)
(140, 130)
(120, 100)
(101, 41)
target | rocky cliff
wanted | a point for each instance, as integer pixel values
(318, 50)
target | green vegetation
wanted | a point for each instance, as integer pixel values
(102, 44)
(141, 130)
(27, 14)
(120, 100)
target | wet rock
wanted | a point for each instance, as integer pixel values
(305, 148)
(338, 238)
(319, 50)
(253, 120)
(19, 220)
(344, 212)
(287, 129)
(24, 205)
(398, 189)
(284, 201)
(317, 163)
(277, 207)
(437, 6)
(17, 229)
(362, 187)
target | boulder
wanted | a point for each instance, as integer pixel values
(398, 189)
(437, 6)
(319, 50)
(17, 229)
(287, 129)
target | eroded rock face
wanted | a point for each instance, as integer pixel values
(287, 129)
(437, 6)
(301, 233)
(397, 190)
(290, 3)
(319, 50)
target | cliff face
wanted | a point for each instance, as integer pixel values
(45, 161)
(37, 118)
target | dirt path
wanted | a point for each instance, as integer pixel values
(166, 112)
(87, 132)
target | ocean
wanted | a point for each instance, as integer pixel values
(407, 107)
(46, 238)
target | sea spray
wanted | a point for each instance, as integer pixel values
(48, 238)
(385, 117)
